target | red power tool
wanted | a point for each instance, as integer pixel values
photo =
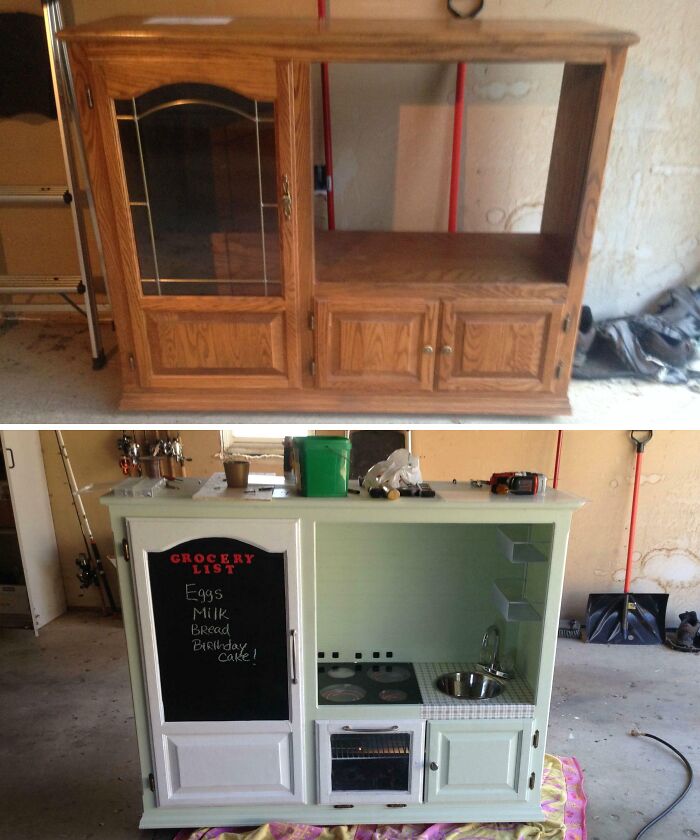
(517, 483)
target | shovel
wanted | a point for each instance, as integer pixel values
(628, 618)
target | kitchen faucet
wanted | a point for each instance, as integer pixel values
(494, 667)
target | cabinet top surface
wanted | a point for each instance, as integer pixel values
(361, 39)
(449, 498)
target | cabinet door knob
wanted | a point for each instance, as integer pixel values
(446, 350)
(428, 348)
(433, 765)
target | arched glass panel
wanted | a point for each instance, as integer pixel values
(200, 169)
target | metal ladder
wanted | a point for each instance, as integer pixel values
(66, 196)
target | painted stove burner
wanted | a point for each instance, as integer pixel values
(343, 693)
(368, 683)
(340, 672)
(390, 673)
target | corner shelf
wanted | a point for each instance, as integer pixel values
(519, 550)
(511, 602)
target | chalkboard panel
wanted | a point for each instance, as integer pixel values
(221, 630)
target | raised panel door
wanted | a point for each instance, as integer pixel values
(198, 198)
(478, 761)
(499, 345)
(378, 345)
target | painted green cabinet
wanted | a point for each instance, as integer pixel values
(478, 761)
(285, 654)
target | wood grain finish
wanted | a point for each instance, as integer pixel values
(498, 300)
(241, 351)
(347, 402)
(374, 40)
(486, 347)
(431, 258)
(377, 347)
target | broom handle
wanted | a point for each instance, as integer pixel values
(639, 443)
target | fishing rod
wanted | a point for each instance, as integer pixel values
(90, 568)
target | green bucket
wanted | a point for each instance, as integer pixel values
(322, 465)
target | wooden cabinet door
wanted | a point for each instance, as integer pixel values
(377, 345)
(199, 193)
(219, 619)
(479, 761)
(499, 345)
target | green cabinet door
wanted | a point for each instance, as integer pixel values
(480, 761)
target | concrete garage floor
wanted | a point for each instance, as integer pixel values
(69, 767)
(46, 377)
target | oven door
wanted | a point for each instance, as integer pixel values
(370, 761)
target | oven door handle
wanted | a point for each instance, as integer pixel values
(378, 729)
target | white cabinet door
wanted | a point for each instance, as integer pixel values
(219, 617)
(34, 522)
(479, 761)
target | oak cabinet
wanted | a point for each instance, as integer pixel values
(388, 345)
(498, 346)
(199, 142)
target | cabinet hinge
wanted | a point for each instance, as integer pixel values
(531, 783)
(536, 739)
(126, 550)
(132, 361)
(557, 370)
(88, 95)
(566, 323)
(152, 782)
(312, 367)
(312, 321)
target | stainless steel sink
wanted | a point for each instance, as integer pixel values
(470, 685)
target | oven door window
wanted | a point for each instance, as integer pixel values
(371, 762)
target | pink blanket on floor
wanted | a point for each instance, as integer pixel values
(563, 806)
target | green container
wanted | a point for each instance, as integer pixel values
(322, 465)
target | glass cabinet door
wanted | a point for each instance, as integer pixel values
(201, 175)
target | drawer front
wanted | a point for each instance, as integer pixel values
(379, 345)
(499, 346)
(479, 761)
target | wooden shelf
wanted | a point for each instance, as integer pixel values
(370, 40)
(437, 258)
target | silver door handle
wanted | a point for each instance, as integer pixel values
(293, 645)
(379, 729)
(12, 455)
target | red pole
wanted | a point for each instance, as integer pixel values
(557, 460)
(633, 519)
(457, 132)
(327, 134)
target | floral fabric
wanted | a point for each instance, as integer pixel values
(563, 804)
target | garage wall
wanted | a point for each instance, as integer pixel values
(595, 465)
(599, 466)
(392, 135)
(95, 460)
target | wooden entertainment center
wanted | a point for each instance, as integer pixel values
(224, 297)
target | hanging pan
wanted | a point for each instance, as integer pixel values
(628, 618)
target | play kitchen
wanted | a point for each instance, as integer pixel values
(294, 658)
